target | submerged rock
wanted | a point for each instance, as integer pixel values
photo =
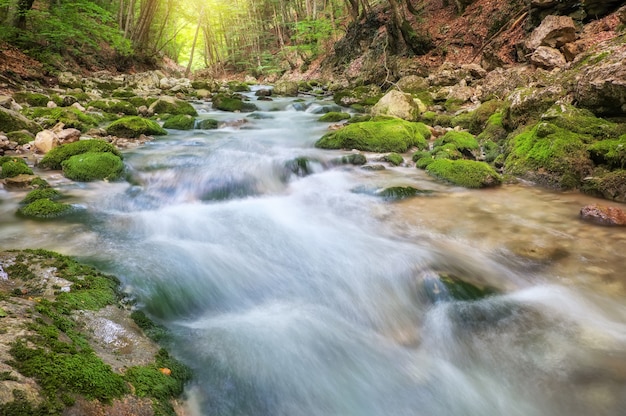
(603, 215)
(396, 193)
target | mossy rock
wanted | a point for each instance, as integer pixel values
(115, 107)
(21, 137)
(443, 120)
(134, 126)
(395, 159)
(69, 116)
(397, 193)
(237, 86)
(423, 162)
(611, 185)
(180, 122)
(334, 116)
(92, 166)
(233, 104)
(34, 99)
(367, 95)
(207, 124)
(359, 118)
(123, 93)
(41, 193)
(356, 159)
(169, 105)
(480, 116)
(462, 141)
(582, 122)
(13, 121)
(460, 289)
(15, 167)
(56, 156)
(466, 173)
(611, 153)
(462, 120)
(550, 155)
(45, 209)
(388, 135)
(141, 101)
(428, 117)
(494, 130)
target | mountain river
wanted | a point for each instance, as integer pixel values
(312, 295)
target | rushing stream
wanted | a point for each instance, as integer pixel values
(310, 295)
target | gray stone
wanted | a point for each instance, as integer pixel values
(554, 31)
(398, 104)
(547, 58)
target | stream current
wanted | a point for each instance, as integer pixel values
(308, 294)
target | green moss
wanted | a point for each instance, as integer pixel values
(482, 115)
(153, 331)
(13, 121)
(163, 106)
(366, 95)
(453, 105)
(44, 209)
(42, 193)
(180, 122)
(21, 137)
(462, 120)
(207, 124)
(69, 116)
(456, 143)
(237, 86)
(423, 162)
(550, 155)
(466, 173)
(54, 158)
(459, 289)
(134, 126)
(583, 122)
(334, 116)
(394, 158)
(611, 153)
(139, 101)
(93, 166)
(359, 119)
(494, 130)
(389, 135)
(397, 193)
(354, 159)
(420, 154)
(123, 94)
(33, 99)
(611, 185)
(443, 120)
(12, 168)
(233, 104)
(115, 107)
(428, 117)
(39, 183)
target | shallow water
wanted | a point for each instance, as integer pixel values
(294, 295)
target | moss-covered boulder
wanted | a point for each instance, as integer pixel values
(396, 193)
(13, 167)
(388, 135)
(480, 117)
(398, 104)
(207, 124)
(33, 99)
(334, 116)
(180, 122)
(493, 130)
(41, 193)
(609, 185)
(45, 209)
(12, 121)
(232, 103)
(367, 95)
(466, 173)
(356, 159)
(115, 107)
(21, 137)
(237, 86)
(134, 126)
(457, 142)
(170, 105)
(609, 153)
(550, 155)
(286, 88)
(56, 156)
(71, 117)
(395, 159)
(92, 166)
(529, 103)
(583, 122)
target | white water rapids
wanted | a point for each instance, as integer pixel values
(293, 295)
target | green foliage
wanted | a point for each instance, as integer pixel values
(43, 193)
(334, 117)
(309, 35)
(180, 122)
(466, 173)
(93, 166)
(388, 135)
(44, 209)
(54, 158)
(12, 168)
(134, 126)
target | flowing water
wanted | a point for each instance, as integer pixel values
(293, 294)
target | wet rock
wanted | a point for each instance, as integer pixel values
(23, 181)
(603, 215)
(353, 159)
(537, 254)
(554, 31)
(397, 193)
(611, 185)
(373, 167)
(266, 92)
(400, 105)
(547, 58)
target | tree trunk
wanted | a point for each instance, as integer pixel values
(193, 45)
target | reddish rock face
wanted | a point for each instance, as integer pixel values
(603, 215)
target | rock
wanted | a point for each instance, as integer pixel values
(232, 103)
(573, 49)
(68, 135)
(180, 122)
(266, 92)
(611, 185)
(601, 85)
(203, 93)
(529, 103)
(412, 84)
(365, 95)
(144, 111)
(207, 124)
(67, 79)
(54, 158)
(542, 4)
(621, 15)
(547, 58)
(171, 105)
(145, 80)
(46, 140)
(93, 166)
(22, 181)
(79, 107)
(286, 88)
(604, 215)
(6, 101)
(466, 173)
(333, 117)
(134, 126)
(11, 120)
(397, 193)
(554, 31)
(397, 104)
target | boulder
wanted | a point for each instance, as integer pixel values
(22, 181)
(554, 31)
(172, 105)
(604, 215)
(601, 86)
(529, 103)
(11, 120)
(134, 126)
(466, 173)
(397, 104)
(265, 92)
(68, 135)
(145, 80)
(547, 58)
(286, 88)
(46, 140)
(412, 84)
(67, 79)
